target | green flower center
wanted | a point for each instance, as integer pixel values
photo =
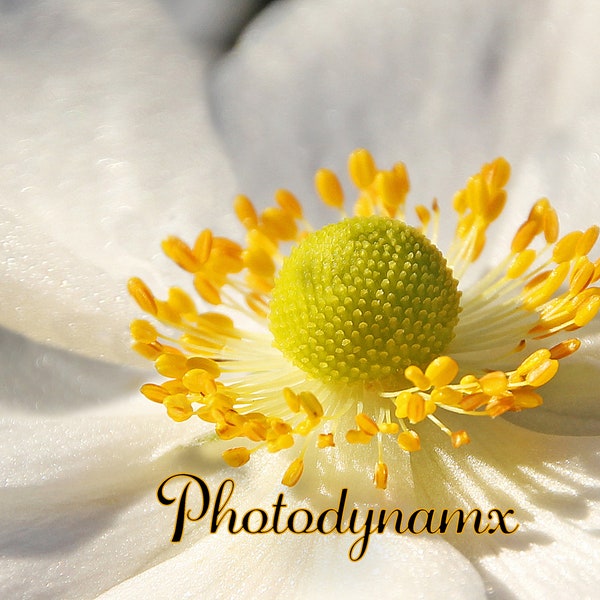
(362, 299)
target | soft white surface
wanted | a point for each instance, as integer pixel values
(296, 567)
(109, 146)
(107, 149)
(551, 482)
(444, 86)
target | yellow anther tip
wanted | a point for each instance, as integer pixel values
(329, 188)
(236, 457)
(294, 473)
(140, 292)
(409, 441)
(381, 476)
(361, 167)
(460, 438)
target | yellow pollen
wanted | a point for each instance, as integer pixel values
(329, 188)
(409, 441)
(356, 332)
(381, 476)
(293, 473)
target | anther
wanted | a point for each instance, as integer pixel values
(409, 441)
(143, 332)
(203, 246)
(140, 292)
(293, 473)
(289, 203)
(441, 371)
(310, 405)
(459, 438)
(366, 424)
(362, 169)
(178, 407)
(381, 476)
(207, 290)
(564, 349)
(181, 254)
(245, 211)
(236, 457)
(329, 188)
(156, 393)
(325, 440)
(520, 263)
(416, 376)
(566, 248)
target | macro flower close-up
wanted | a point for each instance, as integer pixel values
(369, 360)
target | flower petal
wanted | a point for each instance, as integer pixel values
(551, 482)
(214, 22)
(108, 148)
(81, 492)
(40, 380)
(442, 86)
(312, 566)
(571, 399)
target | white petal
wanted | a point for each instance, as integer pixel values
(211, 21)
(442, 86)
(311, 566)
(225, 565)
(108, 147)
(44, 380)
(571, 404)
(551, 482)
(79, 499)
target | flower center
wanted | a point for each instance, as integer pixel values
(361, 300)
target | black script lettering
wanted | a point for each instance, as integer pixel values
(340, 516)
(462, 520)
(383, 521)
(278, 506)
(501, 516)
(217, 518)
(309, 520)
(428, 523)
(362, 542)
(182, 514)
(263, 521)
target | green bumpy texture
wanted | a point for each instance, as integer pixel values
(362, 299)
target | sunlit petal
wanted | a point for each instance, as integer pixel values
(553, 485)
(298, 567)
(105, 131)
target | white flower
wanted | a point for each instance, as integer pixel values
(111, 148)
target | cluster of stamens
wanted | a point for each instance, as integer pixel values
(237, 378)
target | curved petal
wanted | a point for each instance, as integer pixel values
(442, 86)
(108, 148)
(553, 485)
(82, 491)
(40, 380)
(79, 498)
(571, 399)
(214, 22)
(307, 566)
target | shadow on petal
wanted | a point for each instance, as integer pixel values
(551, 482)
(34, 377)
(571, 404)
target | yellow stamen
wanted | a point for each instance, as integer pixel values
(364, 318)
(362, 168)
(409, 440)
(381, 476)
(329, 188)
(236, 457)
(366, 424)
(293, 473)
